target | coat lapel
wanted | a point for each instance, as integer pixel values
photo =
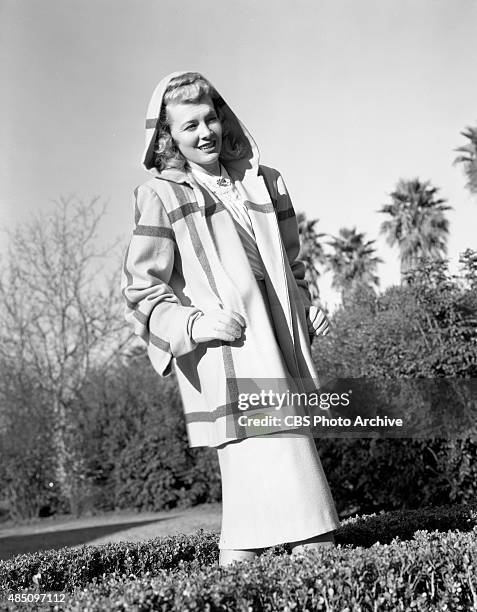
(267, 235)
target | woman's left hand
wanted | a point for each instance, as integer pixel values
(318, 323)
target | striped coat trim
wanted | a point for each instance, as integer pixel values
(182, 211)
(153, 231)
(231, 407)
(180, 194)
(262, 208)
(159, 343)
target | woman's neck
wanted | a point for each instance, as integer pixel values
(215, 170)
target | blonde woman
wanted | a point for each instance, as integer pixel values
(213, 286)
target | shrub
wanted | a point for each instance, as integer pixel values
(433, 571)
(424, 330)
(70, 568)
(136, 445)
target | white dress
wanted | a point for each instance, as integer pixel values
(274, 489)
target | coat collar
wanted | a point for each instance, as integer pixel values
(237, 172)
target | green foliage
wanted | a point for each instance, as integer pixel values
(26, 449)
(311, 252)
(425, 329)
(353, 262)
(430, 571)
(468, 158)
(68, 568)
(468, 261)
(136, 445)
(416, 223)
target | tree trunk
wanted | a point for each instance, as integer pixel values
(70, 468)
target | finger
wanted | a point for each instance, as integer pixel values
(226, 324)
(226, 337)
(229, 325)
(235, 315)
(231, 328)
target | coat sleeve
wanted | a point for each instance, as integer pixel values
(153, 309)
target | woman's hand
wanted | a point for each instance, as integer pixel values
(218, 324)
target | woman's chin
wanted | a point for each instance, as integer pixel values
(209, 158)
(207, 161)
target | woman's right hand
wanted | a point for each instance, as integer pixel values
(218, 324)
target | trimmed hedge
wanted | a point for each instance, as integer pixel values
(433, 571)
(384, 527)
(70, 568)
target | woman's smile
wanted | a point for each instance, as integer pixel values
(197, 132)
(207, 147)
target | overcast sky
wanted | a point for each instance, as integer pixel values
(344, 97)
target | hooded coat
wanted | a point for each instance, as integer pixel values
(186, 256)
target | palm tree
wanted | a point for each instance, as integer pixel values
(468, 158)
(352, 262)
(418, 224)
(311, 252)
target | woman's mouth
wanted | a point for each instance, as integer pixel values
(207, 148)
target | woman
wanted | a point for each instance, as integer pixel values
(213, 286)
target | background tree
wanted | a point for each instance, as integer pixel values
(311, 252)
(26, 453)
(416, 345)
(135, 442)
(468, 262)
(61, 315)
(417, 223)
(352, 262)
(468, 158)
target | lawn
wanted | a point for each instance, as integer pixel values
(58, 531)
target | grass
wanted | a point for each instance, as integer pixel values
(112, 527)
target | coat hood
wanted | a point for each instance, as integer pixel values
(247, 163)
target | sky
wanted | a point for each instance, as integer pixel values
(343, 97)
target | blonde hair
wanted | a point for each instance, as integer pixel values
(193, 87)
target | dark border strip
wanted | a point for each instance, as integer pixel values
(212, 416)
(140, 316)
(263, 208)
(159, 343)
(182, 211)
(153, 231)
(285, 214)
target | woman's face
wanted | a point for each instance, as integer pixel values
(197, 132)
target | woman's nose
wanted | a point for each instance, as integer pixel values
(204, 130)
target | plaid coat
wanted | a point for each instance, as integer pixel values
(185, 256)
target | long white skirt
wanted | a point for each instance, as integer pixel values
(274, 491)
